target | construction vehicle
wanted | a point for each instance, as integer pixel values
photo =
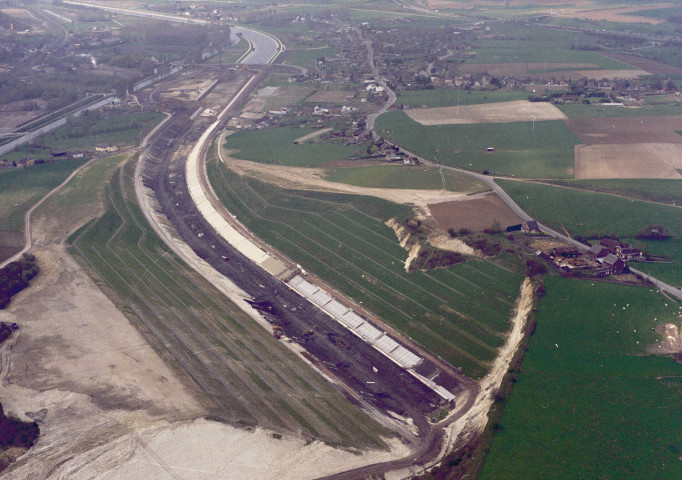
(277, 331)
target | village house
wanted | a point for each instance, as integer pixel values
(531, 228)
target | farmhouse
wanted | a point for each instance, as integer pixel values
(612, 264)
(531, 227)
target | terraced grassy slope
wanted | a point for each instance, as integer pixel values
(460, 313)
(253, 378)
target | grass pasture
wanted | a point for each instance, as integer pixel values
(20, 189)
(589, 213)
(199, 330)
(460, 313)
(521, 148)
(119, 130)
(588, 403)
(306, 57)
(654, 190)
(398, 176)
(276, 145)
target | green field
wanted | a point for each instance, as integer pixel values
(588, 403)
(449, 97)
(20, 189)
(276, 145)
(663, 191)
(522, 149)
(460, 313)
(200, 331)
(578, 110)
(119, 130)
(306, 57)
(399, 176)
(527, 44)
(589, 213)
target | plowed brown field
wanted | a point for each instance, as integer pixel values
(638, 160)
(598, 131)
(475, 213)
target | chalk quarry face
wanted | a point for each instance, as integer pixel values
(669, 342)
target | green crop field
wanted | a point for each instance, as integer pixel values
(306, 57)
(20, 189)
(588, 402)
(522, 149)
(449, 97)
(276, 145)
(460, 313)
(227, 354)
(589, 213)
(399, 176)
(663, 191)
(124, 129)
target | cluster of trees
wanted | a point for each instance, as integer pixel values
(15, 433)
(15, 277)
(654, 232)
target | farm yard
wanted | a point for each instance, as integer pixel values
(226, 353)
(596, 214)
(475, 214)
(499, 112)
(460, 313)
(589, 402)
(521, 148)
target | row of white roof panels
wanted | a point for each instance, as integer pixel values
(355, 322)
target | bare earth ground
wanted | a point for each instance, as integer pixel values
(311, 179)
(622, 130)
(310, 136)
(516, 111)
(331, 96)
(475, 213)
(640, 160)
(187, 87)
(651, 66)
(599, 74)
